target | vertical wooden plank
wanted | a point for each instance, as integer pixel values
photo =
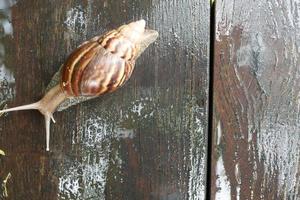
(145, 141)
(256, 100)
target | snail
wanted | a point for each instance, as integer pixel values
(98, 66)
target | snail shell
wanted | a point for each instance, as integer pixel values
(98, 66)
(102, 64)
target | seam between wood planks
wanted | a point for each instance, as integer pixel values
(210, 101)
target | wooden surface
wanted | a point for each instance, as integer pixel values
(145, 141)
(256, 132)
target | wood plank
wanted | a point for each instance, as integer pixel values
(145, 141)
(256, 129)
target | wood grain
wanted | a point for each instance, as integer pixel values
(256, 130)
(145, 141)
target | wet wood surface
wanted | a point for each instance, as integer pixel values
(145, 141)
(256, 133)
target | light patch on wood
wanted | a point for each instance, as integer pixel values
(140, 107)
(281, 140)
(4, 187)
(197, 156)
(5, 4)
(219, 136)
(222, 182)
(7, 80)
(76, 19)
(2, 152)
(86, 178)
(2, 108)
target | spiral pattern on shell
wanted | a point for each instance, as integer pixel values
(103, 63)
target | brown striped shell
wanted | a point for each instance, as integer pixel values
(105, 62)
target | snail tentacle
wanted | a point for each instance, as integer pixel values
(47, 106)
(33, 106)
(52, 118)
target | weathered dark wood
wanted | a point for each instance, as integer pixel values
(256, 100)
(145, 141)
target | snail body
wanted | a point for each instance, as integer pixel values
(98, 66)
